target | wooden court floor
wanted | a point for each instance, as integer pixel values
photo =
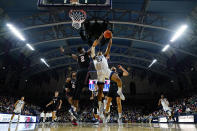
(101, 127)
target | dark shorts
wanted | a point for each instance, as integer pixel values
(69, 94)
(113, 92)
(53, 108)
(81, 80)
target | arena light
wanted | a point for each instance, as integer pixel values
(165, 48)
(15, 31)
(178, 33)
(30, 47)
(43, 60)
(153, 62)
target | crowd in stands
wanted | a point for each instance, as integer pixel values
(184, 106)
(7, 106)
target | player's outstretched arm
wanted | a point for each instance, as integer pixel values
(159, 103)
(63, 51)
(60, 104)
(125, 72)
(91, 51)
(51, 102)
(108, 47)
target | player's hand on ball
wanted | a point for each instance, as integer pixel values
(61, 49)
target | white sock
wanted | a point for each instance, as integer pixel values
(100, 106)
(74, 108)
(120, 115)
(119, 89)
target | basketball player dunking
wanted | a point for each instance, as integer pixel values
(83, 60)
(19, 106)
(103, 71)
(165, 104)
(113, 94)
(56, 104)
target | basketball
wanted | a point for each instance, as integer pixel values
(107, 34)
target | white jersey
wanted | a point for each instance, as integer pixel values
(19, 104)
(42, 114)
(100, 63)
(165, 104)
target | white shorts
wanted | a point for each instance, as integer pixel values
(167, 109)
(103, 74)
(17, 110)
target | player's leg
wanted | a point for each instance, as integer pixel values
(70, 100)
(100, 93)
(117, 79)
(107, 109)
(19, 115)
(12, 117)
(109, 99)
(119, 106)
(95, 110)
(80, 81)
(53, 116)
(77, 91)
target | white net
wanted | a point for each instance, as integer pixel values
(78, 17)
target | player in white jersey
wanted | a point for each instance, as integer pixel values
(18, 107)
(165, 104)
(103, 71)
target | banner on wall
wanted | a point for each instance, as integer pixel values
(189, 118)
(23, 118)
(163, 119)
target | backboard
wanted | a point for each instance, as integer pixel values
(77, 4)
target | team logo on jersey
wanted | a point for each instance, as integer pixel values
(99, 58)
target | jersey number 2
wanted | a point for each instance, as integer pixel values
(82, 59)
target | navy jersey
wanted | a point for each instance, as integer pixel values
(56, 101)
(83, 61)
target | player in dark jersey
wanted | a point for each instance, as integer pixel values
(113, 94)
(94, 99)
(83, 60)
(69, 89)
(55, 105)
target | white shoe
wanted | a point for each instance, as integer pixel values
(119, 121)
(121, 95)
(107, 118)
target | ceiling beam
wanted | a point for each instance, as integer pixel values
(114, 62)
(120, 38)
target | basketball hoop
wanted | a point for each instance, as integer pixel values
(78, 17)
